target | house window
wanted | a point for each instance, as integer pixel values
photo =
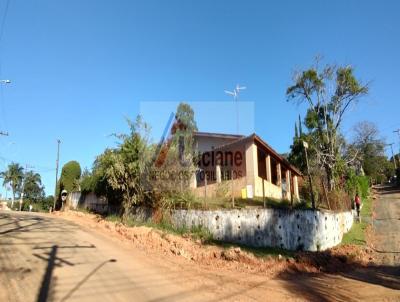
(274, 171)
(262, 168)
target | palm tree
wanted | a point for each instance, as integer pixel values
(32, 185)
(13, 176)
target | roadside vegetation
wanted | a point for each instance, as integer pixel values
(138, 172)
(357, 233)
(26, 185)
(339, 166)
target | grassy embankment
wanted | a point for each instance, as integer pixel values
(356, 235)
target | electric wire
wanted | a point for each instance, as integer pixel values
(2, 26)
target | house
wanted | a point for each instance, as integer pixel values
(247, 163)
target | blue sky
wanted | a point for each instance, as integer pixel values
(79, 67)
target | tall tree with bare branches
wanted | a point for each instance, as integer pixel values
(329, 92)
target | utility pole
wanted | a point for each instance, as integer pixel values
(394, 158)
(23, 187)
(57, 161)
(305, 145)
(398, 133)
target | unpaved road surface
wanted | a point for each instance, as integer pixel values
(46, 258)
(386, 226)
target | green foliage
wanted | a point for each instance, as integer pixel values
(70, 175)
(134, 173)
(185, 114)
(357, 184)
(222, 189)
(356, 235)
(13, 176)
(325, 112)
(125, 166)
(32, 186)
(46, 203)
(40, 205)
(370, 150)
(87, 182)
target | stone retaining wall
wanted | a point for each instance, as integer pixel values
(289, 229)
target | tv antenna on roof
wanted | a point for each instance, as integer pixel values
(235, 94)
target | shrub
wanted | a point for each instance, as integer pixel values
(339, 200)
(363, 186)
(222, 189)
(357, 184)
(70, 174)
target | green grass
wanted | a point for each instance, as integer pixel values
(113, 218)
(356, 235)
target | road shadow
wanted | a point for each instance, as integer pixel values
(23, 229)
(47, 278)
(336, 287)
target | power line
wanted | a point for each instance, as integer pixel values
(2, 26)
(37, 168)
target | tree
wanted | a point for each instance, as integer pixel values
(370, 150)
(32, 186)
(328, 93)
(185, 114)
(96, 180)
(70, 175)
(13, 176)
(127, 164)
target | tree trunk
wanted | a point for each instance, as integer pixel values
(330, 178)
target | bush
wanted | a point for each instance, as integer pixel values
(70, 174)
(42, 205)
(357, 184)
(363, 186)
(339, 200)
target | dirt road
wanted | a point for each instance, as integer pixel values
(44, 258)
(386, 226)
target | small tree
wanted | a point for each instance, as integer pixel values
(128, 164)
(370, 148)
